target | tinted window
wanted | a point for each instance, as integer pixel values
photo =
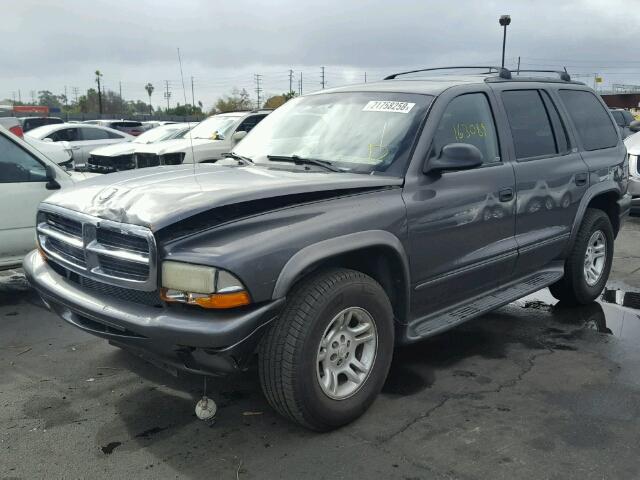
(617, 116)
(17, 165)
(249, 122)
(559, 128)
(65, 134)
(94, 134)
(530, 125)
(628, 117)
(590, 118)
(468, 119)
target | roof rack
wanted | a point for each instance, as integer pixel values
(501, 71)
(563, 74)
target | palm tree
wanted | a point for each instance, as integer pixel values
(149, 88)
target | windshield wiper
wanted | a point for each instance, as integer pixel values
(303, 161)
(240, 158)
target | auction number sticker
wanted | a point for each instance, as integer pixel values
(388, 106)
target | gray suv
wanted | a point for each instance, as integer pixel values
(347, 222)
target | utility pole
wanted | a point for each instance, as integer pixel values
(322, 82)
(75, 91)
(14, 97)
(290, 81)
(19, 96)
(365, 77)
(33, 96)
(167, 92)
(193, 95)
(120, 88)
(518, 64)
(98, 75)
(66, 99)
(300, 85)
(258, 79)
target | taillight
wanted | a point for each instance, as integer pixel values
(17, 131)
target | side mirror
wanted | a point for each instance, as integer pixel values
(237, 136)
(455, 156)
(52, 184)
(635, 126)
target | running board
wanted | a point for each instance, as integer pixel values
(443, 320)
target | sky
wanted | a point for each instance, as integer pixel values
(56, 44)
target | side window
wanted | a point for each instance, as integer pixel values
(17, 165)
(66, 134)
(617, 116)
(530, 124)
(559, 128)
(628, 117)
(113, 135)
(590, 118)
(249, 122)
(89, 133)
(468, 119)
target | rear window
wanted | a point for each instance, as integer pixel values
(530, 124)
(590, 118)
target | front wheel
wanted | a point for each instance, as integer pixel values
(587, 268)
(327, 356)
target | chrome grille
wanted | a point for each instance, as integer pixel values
(105, 251)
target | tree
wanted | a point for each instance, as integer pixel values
(276, 101)
(237, 101)
(46, 98)
(98, 76)
(149, 88)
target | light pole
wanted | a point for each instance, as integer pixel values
(504, 21)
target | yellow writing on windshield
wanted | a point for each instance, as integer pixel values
(468, 130)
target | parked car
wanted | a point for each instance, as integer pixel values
(114, 158)
(81, 137)
(29, 123)
(13, 125)
(206, 142)
(132, 127)
(626, 122)
(633, 149)
(321, 247)
(27, 177)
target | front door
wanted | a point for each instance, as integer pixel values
(461, 222)
(22, 187)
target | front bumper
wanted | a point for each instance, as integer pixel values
(177, 336)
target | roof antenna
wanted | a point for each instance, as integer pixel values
(184, 93)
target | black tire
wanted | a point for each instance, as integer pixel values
(573, 288)
(288, 352)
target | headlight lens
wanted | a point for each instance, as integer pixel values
(207, 287)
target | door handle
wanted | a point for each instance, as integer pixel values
(581, 179)
(506, 194)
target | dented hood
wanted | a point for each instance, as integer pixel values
(158, 197)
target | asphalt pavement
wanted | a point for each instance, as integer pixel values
(533, 390)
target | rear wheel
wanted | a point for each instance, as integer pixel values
(327, 356)
(589, 263)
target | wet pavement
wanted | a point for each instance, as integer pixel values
(533, 390)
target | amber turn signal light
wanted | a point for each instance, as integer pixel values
(213, 300)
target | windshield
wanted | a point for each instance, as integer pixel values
(158, 134)
(361, 132)
(214, 128)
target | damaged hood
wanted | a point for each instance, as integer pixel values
(165, 195)
(115, 149)
(176, 145)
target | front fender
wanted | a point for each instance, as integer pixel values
(325, 249)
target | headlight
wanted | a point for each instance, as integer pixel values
(207, 287)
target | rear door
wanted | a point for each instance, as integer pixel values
(461, 222)
(22, 187)
(551, 176)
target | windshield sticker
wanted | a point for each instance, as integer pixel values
(388, 106)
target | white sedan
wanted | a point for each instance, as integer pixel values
(26, 178)
(82, 138)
